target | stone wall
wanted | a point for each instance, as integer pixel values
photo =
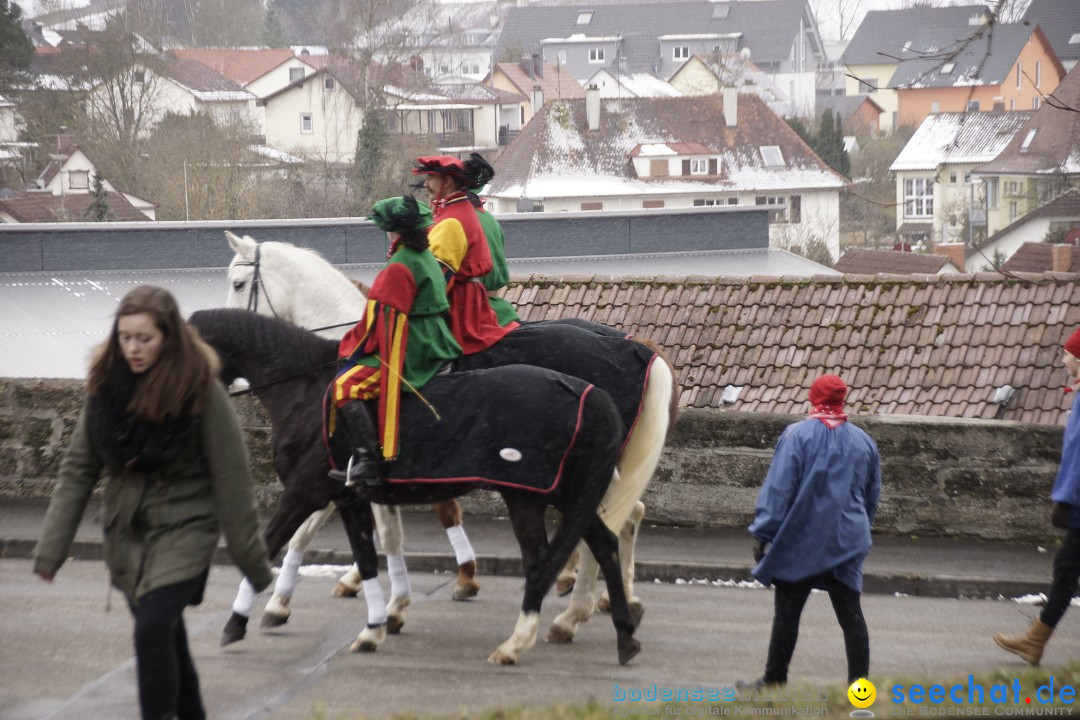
(941, 477)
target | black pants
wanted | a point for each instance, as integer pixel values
(1066, 577)
(168, 683)
(790, 598)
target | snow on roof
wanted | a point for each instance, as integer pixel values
(976, 137)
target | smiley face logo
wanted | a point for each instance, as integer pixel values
(862, 693)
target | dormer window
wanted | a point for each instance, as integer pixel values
(772, 156)
(699, 166)
(596, 55)
(680, 52)
(584, 17)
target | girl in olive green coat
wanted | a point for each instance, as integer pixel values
(163, 428)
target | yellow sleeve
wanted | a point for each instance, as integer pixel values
(448, 243)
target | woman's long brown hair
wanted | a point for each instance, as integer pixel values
(180, 379)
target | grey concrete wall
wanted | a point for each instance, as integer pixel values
(950, 478)
(150, 245)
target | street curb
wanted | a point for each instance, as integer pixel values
(941, 586)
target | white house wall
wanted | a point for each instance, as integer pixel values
(336, 120)
(1033, 231)
(277, 78)
(8, 129)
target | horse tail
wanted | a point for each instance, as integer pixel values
(642, 450)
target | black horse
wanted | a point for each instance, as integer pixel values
(535, 436)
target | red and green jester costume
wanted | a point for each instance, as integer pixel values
(402, 340)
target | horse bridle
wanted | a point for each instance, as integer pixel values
(256, 281)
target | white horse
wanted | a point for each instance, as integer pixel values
(302, 284)
(278, 279)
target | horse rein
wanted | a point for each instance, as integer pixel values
(256, 282)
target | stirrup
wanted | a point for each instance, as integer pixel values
(351, 481)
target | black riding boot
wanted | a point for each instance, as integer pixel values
(365, 465)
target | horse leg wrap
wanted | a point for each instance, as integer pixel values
(245, 598)
(463, 550)
(376, 602)
(290, 568)
(399, 576)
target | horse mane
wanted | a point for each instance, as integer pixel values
(290, 348)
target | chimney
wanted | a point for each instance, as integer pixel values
(592, 106)
(527, 65)
(538, 65)
(1061, 258)
(731, 106)
(537, 98)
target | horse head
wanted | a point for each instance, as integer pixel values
(293, 284)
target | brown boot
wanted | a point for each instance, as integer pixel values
(1030, 645)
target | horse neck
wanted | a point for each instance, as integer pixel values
(316, 295)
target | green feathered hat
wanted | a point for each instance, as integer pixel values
(401, 214)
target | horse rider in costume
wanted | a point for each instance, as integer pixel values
(400, 343)
(458, 241)
(480, 173)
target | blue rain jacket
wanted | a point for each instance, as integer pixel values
(1067, 485)
(817, 504)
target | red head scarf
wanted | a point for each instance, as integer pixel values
(1072, 345)
(827, 396)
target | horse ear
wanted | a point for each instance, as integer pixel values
(243, 246)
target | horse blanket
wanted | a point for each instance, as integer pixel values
(511, 426)
(614, 364)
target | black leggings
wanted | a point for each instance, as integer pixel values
(1066, 577)
(790, 598)
(168, 683)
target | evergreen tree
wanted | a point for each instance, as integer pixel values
(824, 144)
(99, 210)
(16, 49)
(370, 153)
(273, 33)
(843, 159)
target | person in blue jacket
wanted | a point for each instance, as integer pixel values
(812, 526)
(1064, 515)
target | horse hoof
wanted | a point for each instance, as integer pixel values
(564, 586)
(603, 604)
(559, 635)
(500, 658)
(342, 590)
(270, 620)
(466, 591)
(629, 651)
(235, 629)
(637, 610)
(394, 623)
(364, 646)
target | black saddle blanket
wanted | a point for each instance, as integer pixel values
(614, 364)
(511, 426)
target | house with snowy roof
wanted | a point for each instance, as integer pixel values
(460, 118)
(536, 82)
(706, 75)
(938, 199)
(1041, 161)
(781, 37)
(994, 67)
(681, 152)
(874, 53)
(620, 85)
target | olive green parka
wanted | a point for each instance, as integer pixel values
(162, 527)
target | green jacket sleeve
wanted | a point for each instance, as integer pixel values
(234, 492)
(80, 471)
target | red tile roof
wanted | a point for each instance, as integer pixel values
(1040, 257)
(906, 346)
(241, 66)
(873, 262)
(48, 208)
(555, 82)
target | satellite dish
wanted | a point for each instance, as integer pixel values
(745, 53)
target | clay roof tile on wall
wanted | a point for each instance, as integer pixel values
(927, 346)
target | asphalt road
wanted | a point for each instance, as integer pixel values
(63, 656)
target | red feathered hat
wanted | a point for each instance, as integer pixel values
(828, 391)
(441, 165)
